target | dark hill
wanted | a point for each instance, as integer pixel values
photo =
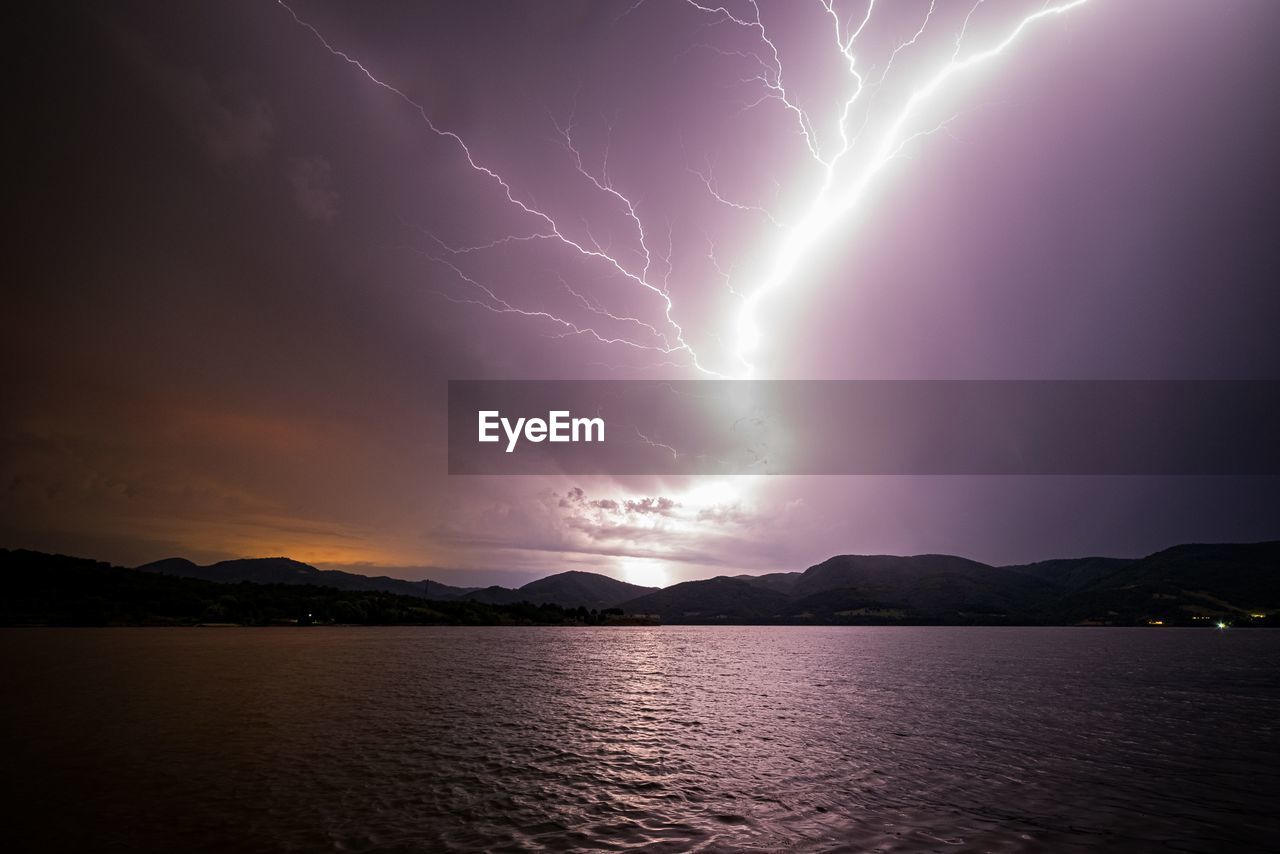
(1245, 575)
(1195, 584)
(1187, 582)
(575, 589)
(56, 590)
(572, 589)
(283, 570)
(1075, 574)
(494, 595)
(779, 582)
(929, 586)
(1183, 585)
(716, 600)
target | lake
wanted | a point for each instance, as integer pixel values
(651, 738)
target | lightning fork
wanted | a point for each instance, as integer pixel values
(831, 203)
(553, 229)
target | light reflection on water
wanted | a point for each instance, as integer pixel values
(663, 739)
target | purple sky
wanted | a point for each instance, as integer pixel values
(238, 290)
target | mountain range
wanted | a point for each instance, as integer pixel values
(567, 589)
(1190, 584)
(1183, 585)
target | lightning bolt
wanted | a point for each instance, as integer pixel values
(656, 444)
(847, 168)
(552, 229)
(835, 197)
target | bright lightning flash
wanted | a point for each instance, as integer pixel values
(847, 169)
(838, 195)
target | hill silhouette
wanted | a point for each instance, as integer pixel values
(1182, 585)
(1193, 584)
(57, 590)
(572, 589)
(283, 570)
(714, 600)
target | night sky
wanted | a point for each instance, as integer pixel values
(242, 270)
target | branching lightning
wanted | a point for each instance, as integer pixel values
(847, 164)
(553, 229)
(837, 196)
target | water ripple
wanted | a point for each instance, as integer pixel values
(642, 739)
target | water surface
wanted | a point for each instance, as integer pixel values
(653, 739)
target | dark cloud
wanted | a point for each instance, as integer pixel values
(657, 505)
(660, 505)
(312, 182)
(226, 125)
